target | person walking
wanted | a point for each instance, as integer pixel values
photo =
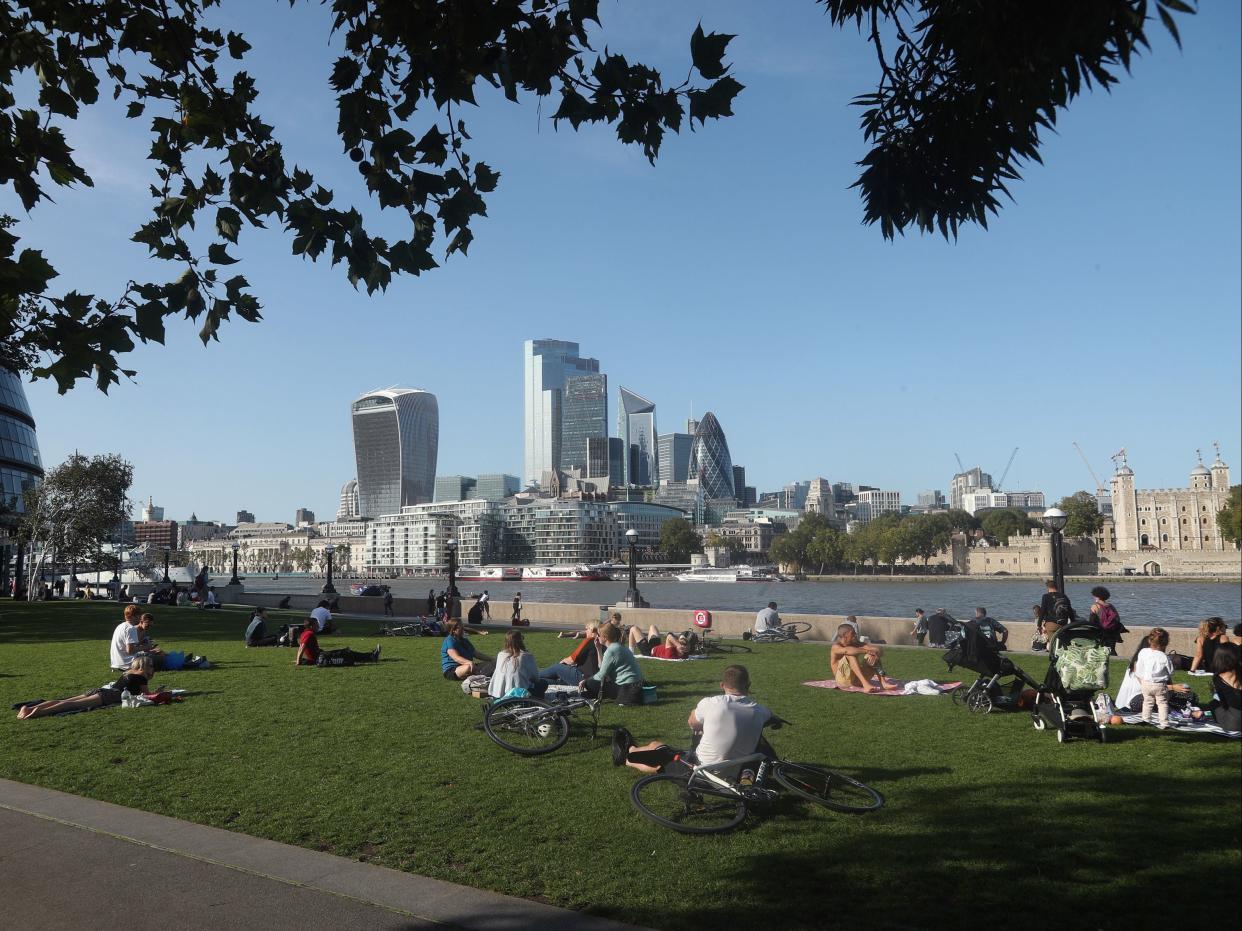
(920, 626)
(431, 602)
(516, 617)
(387, 602)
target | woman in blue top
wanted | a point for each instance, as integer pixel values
(459, 658)
(619, 675)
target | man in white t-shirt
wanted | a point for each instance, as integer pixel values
(125, 638)
(323, 617)
(731, 726)
(767, 619)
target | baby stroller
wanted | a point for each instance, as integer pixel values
(977, 652)
(1077, 671)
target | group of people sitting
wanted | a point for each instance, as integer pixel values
(306, 638)
(601, 664)
(1148, 685)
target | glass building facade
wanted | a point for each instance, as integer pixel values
(20, 464)
(584, 417)
(547, 364)
(495, 487)
(636, 424)
(396, 437)
(674, 449)
(710, 461)
(454, 487)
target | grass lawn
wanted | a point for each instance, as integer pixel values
(986, 819)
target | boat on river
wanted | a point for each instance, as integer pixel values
(562, 574)
(489, 574)
(732, 574)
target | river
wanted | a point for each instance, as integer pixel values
(1167, 603)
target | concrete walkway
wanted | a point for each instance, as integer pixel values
(72, 862)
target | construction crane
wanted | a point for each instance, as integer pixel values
(1001, 484)
(960, 468)
(1100, 490)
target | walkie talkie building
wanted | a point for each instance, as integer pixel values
(396, 436)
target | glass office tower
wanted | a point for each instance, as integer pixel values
(584, 417)
(396, 436)
(710, 461)
(636, 424)
(547, 365)
(20, 464)
(675, 456)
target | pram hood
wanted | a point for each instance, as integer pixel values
(976, 652)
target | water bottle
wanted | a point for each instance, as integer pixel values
(127, 700)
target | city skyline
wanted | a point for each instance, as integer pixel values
(1103, 301)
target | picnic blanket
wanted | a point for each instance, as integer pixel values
(1185, 725)
(944, 687)
(665, 659)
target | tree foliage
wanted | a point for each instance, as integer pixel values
(1082, 513)
(79, 504)
(960, 104)
(1229, 518)
(1002, 523)
(678, 540)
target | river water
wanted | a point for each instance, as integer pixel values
(1167, 603)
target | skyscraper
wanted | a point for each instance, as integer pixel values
(495, 486)
(739, 484)
(454, 487)
(348, 508)
(547, 364)
(675, 456)
(20, 465)
(584, 416)
(396, 436)
(303, 516)
(710, 461)
(636, 423)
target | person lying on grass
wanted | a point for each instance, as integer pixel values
(672, 647)
(309, 653)
(458, 657)
(582, 662)
(728, 727)
(619, 676)
(516, 669)
(134, 680)
(856, 665)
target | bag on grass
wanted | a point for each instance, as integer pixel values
(475, 683)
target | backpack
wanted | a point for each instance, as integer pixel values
(1062, 611)
(1109, 618)
(475, 683)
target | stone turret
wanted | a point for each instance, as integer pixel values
(1220, 472)
(1125, 508)
(1200, 477)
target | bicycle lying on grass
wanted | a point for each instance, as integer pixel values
(782, 634)
(707, 801)
(532, 726)
(702, 644)
(412, 629)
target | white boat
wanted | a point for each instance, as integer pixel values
(734, 574)
(561, 574)
(489, 574)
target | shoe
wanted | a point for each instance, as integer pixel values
(375, 654)
(622, 740)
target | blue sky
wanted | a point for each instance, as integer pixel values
(1102, 306)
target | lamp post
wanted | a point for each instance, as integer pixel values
(235, 580)
(632, 598)
(328, 588)
(167, 551)
(1055, 520)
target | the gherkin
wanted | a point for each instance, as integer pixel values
(710, 461)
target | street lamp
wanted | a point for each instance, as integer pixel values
(235, 580)
(1055, 520)
(167, 551)
(451, 546)
(328, 588)
(632, 598)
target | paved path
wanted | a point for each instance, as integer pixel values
(72, 862)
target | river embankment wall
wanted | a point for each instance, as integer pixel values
(731, 624)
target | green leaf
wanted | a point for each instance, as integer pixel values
(237, 45)
(715, 102)
(218, 255)
(485, 179)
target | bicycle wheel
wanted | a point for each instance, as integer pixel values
(823, 786)
(666, 800)
(526, 726)
(719, 646)
(796, 627)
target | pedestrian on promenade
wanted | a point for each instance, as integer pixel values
(486, 602)
(920, 626)
(516, 618)
(938, 627)
(387, 602)
(431, 602)
(1106, 617)
(994, 630)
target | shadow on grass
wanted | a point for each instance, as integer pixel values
(1085, 859)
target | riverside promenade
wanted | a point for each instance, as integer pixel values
(65, 857)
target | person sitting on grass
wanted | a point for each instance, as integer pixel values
(309, 653)
(856, 665)
(1226, 703)
(672, 647)
(582, 662)
(516, 669)
(256, 631)
(322, 613)
(134, 680)
(1212, 633)
(619, 676)
(125, 638)
(147, 646)
(458, 657)
(1130, 694)
(728, 726)
(767, 619)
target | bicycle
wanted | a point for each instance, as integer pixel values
(782, 634)
(706, 801)
(412, 629)
(702, 644)
(532, 726)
